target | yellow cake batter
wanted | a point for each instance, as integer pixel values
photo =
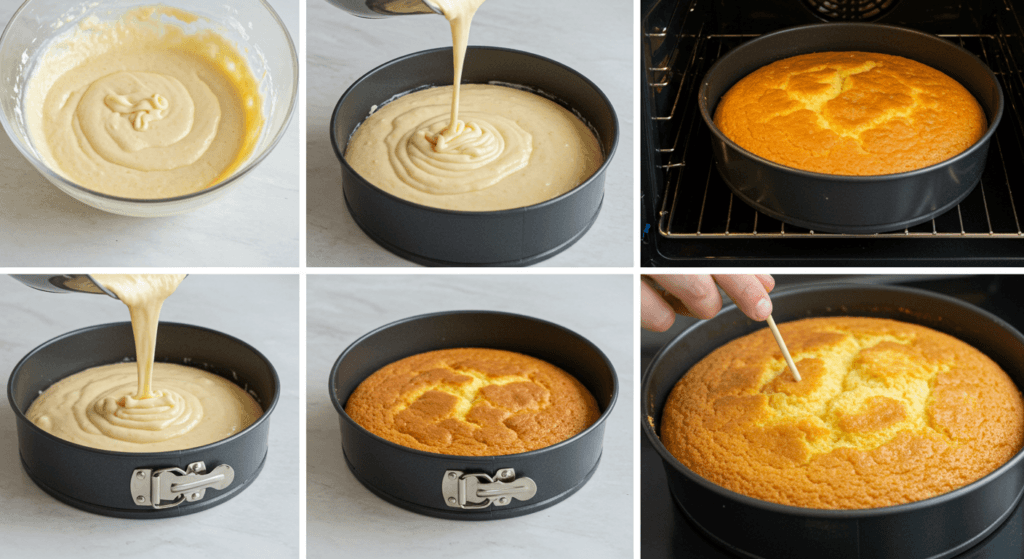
(97, 408)
(519, 149)
(116, 407)
(144, 294)
(139, 108)
(512, 149)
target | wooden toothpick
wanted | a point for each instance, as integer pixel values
(782, 346)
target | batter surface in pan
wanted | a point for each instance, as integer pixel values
(119, 407)
(515, 149)
(99, 408)
(512, 149)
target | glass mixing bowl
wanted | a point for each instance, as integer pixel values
(251, 24)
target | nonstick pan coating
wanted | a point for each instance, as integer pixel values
(849, 204)
(938, 527)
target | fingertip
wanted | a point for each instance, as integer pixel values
(655, 313)
(763, 309)
(658, 321)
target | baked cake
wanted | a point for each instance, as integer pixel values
(851, 113)
(472, 402)
(887, 413)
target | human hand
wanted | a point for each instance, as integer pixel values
(697, 296)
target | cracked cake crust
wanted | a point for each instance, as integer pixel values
(472, 402)
(851, 113)
(887, 413)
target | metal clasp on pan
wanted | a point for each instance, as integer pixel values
(154, 487)
(479, 491)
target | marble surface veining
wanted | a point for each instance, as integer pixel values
(261, 521)
(256, 224)
(345, 519)
(594, 37)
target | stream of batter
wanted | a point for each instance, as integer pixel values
(117, 407)
(144, 295)
(459, 14)
(511, 148)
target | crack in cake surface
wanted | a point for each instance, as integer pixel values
(846, 407)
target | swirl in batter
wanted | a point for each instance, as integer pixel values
(97, 408)
(139, 108)
(116, 407)
(529, 149)
(477, 157)
(514, 148)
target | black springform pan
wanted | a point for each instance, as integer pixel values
(438, 237)
(425, 482)
(934, 528)
(850, 204)
(107, 482)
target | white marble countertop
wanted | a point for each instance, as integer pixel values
(256, 224)
(345, 519)
(594, 37)
(262, 521)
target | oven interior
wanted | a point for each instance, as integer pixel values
(690, 217)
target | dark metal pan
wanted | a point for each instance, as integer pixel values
(851, 204)
(109, 483)
(420, 481)
(437, 237)
(934, 528)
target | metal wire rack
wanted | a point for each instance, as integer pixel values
(697, 203)
(850, 10)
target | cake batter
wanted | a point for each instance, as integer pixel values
(139, 108)
(144, 294)
(116, 407)
(513, 149)
(190, 408)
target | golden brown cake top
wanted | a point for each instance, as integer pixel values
(887, 413)
(472, 402)
(851, 113)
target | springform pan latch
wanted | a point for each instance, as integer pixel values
(169, 487)
(478, 490)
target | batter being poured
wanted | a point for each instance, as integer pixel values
(473, 147)
(119, 407)
(460, 15)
